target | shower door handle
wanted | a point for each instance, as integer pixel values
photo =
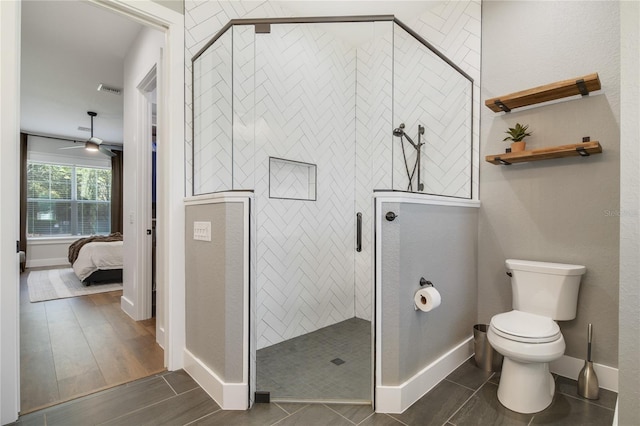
(359, 232)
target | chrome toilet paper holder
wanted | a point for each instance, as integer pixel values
(425, 282)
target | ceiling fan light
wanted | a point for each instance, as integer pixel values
(91, 146)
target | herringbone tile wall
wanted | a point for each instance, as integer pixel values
(374, 143)
(212, 108)
(428, 92)
(305, 266)
(305, 249)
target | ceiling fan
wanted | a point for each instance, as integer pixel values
(94, 143)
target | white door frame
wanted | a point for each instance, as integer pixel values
(143, 296)
(170, 187)
(9, 216)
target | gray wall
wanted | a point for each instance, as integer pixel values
(440, 244)
(214, 289)
(562, 210)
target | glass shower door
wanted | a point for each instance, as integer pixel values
(310, 344)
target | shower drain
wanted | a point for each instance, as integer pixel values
(337, 361)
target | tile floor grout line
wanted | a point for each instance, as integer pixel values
(169, 384)
(145, 406)
(365, 419)
(471, 396)
(397, 420)
(466, 387)
(282, 408)
(585, 400)
(350, 421)
(203, 417)
(463, 404)
(285, 417)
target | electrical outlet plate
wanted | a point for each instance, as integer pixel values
(202, 231)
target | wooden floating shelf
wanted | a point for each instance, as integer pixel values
(578, 149)
(549, 92)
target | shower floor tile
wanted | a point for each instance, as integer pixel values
(308, 367)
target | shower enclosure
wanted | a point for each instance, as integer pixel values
(302, 112)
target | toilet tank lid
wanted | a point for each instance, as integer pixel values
(545, 267)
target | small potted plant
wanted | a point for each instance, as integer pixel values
(516, 136)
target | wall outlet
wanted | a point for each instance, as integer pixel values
(202, 231)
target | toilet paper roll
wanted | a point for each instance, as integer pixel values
(427, 299)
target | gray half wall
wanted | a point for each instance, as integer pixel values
(214, 289)
(438, 243)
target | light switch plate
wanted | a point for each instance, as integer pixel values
(202, 231)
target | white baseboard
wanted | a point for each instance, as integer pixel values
(57, 261)
(570, 367)
(160, 336)
(396, 399)
(127, 307)
(229, 396)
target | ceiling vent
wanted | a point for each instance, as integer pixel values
(84, 129)
(113, 90)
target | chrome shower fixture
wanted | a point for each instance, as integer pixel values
(400, 133)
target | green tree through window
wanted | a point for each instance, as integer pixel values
(67, 200)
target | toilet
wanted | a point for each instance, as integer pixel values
(528, 336)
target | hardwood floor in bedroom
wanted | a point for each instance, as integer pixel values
(77, 346)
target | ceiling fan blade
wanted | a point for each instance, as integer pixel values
(95, 140)
(106, 151)
(72, 147)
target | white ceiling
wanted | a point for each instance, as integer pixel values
(68, 48)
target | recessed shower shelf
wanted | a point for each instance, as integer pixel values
(549, 92)
(583, 149)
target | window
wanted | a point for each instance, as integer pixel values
(67, 200)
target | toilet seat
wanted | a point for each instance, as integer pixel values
(525, 327)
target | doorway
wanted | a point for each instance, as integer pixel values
(170, 239)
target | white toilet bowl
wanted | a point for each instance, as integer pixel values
(528, 343)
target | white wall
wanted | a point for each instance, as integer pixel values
(143, 55)
(629, 318)
(562, 210)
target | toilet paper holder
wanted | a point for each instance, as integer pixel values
(425, 282)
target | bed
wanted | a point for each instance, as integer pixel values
(97, 259)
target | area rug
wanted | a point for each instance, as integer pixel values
(53, 284)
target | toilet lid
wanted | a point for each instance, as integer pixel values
(525, 327)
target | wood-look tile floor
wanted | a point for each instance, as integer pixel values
(466, 397)
(76, 346)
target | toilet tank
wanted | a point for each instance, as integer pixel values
(549, 289)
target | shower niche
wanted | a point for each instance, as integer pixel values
(304, 113)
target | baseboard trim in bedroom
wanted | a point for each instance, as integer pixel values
(160, 336)
(229, 396)
(39, 263)
(128, 307)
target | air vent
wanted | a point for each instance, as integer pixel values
(113, 90)
(84, 129)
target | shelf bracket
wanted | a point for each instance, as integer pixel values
(582, 87)
(501, 105)
(503, 162)
(583, 152)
